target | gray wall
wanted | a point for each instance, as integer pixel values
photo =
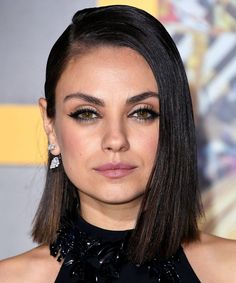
(28, 29)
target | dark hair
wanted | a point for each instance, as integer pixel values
(171, 204)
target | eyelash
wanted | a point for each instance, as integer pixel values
(76, 115)
(152, 115)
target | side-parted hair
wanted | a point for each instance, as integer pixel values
(171, 203)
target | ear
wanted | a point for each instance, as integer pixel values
(48, 124)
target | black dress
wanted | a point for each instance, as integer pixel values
(92, 254)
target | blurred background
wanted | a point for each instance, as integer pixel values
(204, 31)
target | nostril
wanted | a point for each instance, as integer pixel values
(115, 140)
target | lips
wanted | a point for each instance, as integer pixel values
(117, 170)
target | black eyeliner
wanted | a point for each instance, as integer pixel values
(75, 114)
(149, 109)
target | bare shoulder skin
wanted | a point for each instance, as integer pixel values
(35, 266)
(213, 259)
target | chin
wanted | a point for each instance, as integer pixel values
(119, 199)
(113, 194)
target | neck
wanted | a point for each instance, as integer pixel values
(115, 217)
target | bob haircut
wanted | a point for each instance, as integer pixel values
(171, 203)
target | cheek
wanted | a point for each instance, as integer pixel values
(73, 143)
(150, 152)
(147, 144)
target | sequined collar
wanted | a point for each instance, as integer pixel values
(94, 255)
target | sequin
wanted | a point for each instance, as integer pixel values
(92, 261)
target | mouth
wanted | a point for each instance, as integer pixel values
(115, 171)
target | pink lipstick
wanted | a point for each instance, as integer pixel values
(115, 170)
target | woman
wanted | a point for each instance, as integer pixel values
(120, 202)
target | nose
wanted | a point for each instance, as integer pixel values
(115, 138)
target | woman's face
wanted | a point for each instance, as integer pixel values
(107, 124)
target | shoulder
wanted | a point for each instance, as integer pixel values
(35, 266)
(212, 258)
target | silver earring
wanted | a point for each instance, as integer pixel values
(55, 162)
(51, 146)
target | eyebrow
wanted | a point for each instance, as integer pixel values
(141, 96)
(100, 102)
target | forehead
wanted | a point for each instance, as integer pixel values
(106, 70)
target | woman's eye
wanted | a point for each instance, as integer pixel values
(144, 114)
(84, 115)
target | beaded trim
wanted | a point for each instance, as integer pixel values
(93, 261)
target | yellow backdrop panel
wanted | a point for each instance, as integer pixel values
(23, 141)
(148, 5)
(22, 138)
